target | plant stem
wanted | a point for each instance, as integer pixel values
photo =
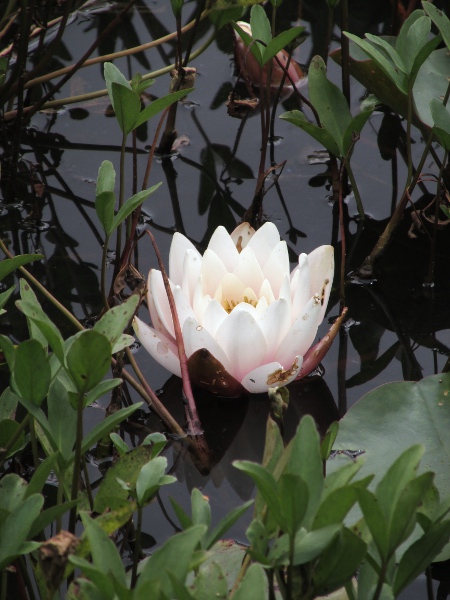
(34, 445)
(137, 547)
(103, 271)
(76, 462)
(355, 189)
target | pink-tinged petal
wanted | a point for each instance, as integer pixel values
(161, 348)
(213, 316)
(224, 247)
(321, 266)
(213, 270)
(301, 334)
(271, 375)
(182, 304)
(285, 290)
(196, 337)
(192, 268)
(247, 269)
(275, 323)
(266, 291)
(242, 235)
(180, 245)
(277, 266)
(158, 299)
(200, 302)
(264, 241)
(243, 341)
(301, 286)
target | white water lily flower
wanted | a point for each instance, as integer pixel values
(246, 320)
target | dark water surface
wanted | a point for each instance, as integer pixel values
(396, 316)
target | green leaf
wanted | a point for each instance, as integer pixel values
(326, 445)
(40, 476)
(106, 425)
(150, 479)
(27, 294)
(31, 372)
(201, 511)
(9, 265)
(13, 490)
(376, 520)
(382, 62)
(260, 26)
(210, 582)
(47, 517)
(296, 117)
(34, 312)
(158, 441)
(103, 550)
(131, 204)
(160, 104)
(88, 359)
(279, 42)
(253, 585)
(16, 526)
(266, 485)
(103, 582)
(293, 498)
(104, 207)
(127, 106)
(305, 462)
(174, 557)
(101, 389)
(5, 296)
(253, 47)
(224, 524)
(309, 546)
(440, 19)
(390, 51)
(400, 473)
(8, 404)
(113, 75)
(8, 428)
(372, 426)
(329, 102)
(61, 418)
(419, 556)
(116, 320)
(106, 179)
(412, 37)
(338, 562)
(127, 467)
(121, 446)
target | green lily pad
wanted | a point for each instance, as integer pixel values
(392, 418)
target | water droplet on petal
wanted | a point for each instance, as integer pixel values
(162, 348)
(199, 328)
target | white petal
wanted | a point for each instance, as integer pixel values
(158, 346)
(213, 316)
(180, 245)
(159, 302)
(182, 304)
(261, 307)
(321, 265)
(301, 286)
(224, 247)
(264, 241)
(247, 269)
(196, 337)
(242, 235)
(275, 323)
(192, 268)
(266, 291)
(213, 270)
(243, 341)
(277, 266)
(257, 380)
(285, 290)
(301, 334)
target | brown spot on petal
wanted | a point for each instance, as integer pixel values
(207, 372)
(281, 376)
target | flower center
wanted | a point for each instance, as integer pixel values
(230, 304)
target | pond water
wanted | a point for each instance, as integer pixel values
(398, 328)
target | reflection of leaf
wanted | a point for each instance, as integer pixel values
(389, 419)
(235, 167)
(370, 371)
(365, 338)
